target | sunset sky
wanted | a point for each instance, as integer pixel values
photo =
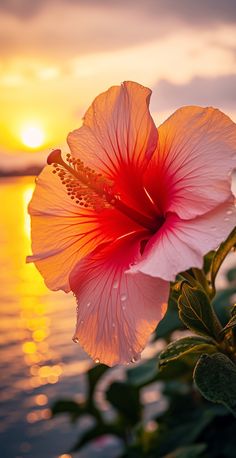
(56, 56)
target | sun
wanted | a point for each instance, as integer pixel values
(32, 135)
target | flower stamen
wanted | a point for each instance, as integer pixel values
(89, 188)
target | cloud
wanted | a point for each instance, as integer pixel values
(57, 28)
(199, 12)
(215, 91)
(65, 29)
(23, 9)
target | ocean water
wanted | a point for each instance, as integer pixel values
(39, 363)
(38, 360)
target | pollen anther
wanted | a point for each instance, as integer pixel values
(91, 189)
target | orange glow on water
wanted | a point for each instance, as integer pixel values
(41, 399)
(39, 335)
(38, 415)
(26, 195)
(32, 417)
(29, 347)
(65, 456)
(35, 318)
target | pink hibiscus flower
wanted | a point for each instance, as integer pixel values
(127, 210)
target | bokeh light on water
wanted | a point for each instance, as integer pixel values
(36, 347)
(39, 362)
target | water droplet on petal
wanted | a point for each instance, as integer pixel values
(229, 212)
(226, 219)
(88, 304)
(123, 307)
(113, 325)
(133, 359)
(82, 322)
(75, 340)
(115, 284)
(213, 228)
(123, 297)
(97, 360)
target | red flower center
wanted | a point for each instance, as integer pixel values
(89, 188)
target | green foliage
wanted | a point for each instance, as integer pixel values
(196, 312)
(221, 303)
(94, 433)
(231, 275)
(196, 420)
(224, 298)
(208, 261)
(144, 373)
(72, 408)
(191, 451)
(232, 321)
(215, 377)
(76, 410)
(189, 348)
(94, 376)
(221, 254)
(125, 398)
(170, 321)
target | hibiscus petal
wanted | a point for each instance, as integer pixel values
(181, 244)
(195, 157)
(118, 129)
(62, 232)
(116, 312)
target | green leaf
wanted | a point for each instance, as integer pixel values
(143, 373)
(170, 322)
(94, 433)
(133, 451)
(69, 407)
(231, 275)
(232, 322)
(192, 346)
(190, 451)
(221, 304)
(179, 369)
(196, 312)
(221, 254)
(125, 398)
(215, 377)
(94, 376)
(208, 258)
(182, 425)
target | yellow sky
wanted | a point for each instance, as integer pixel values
(58, 58)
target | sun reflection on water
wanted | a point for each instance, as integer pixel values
(33, 317)
(35, 330)
(30, 356)
(27, 195)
